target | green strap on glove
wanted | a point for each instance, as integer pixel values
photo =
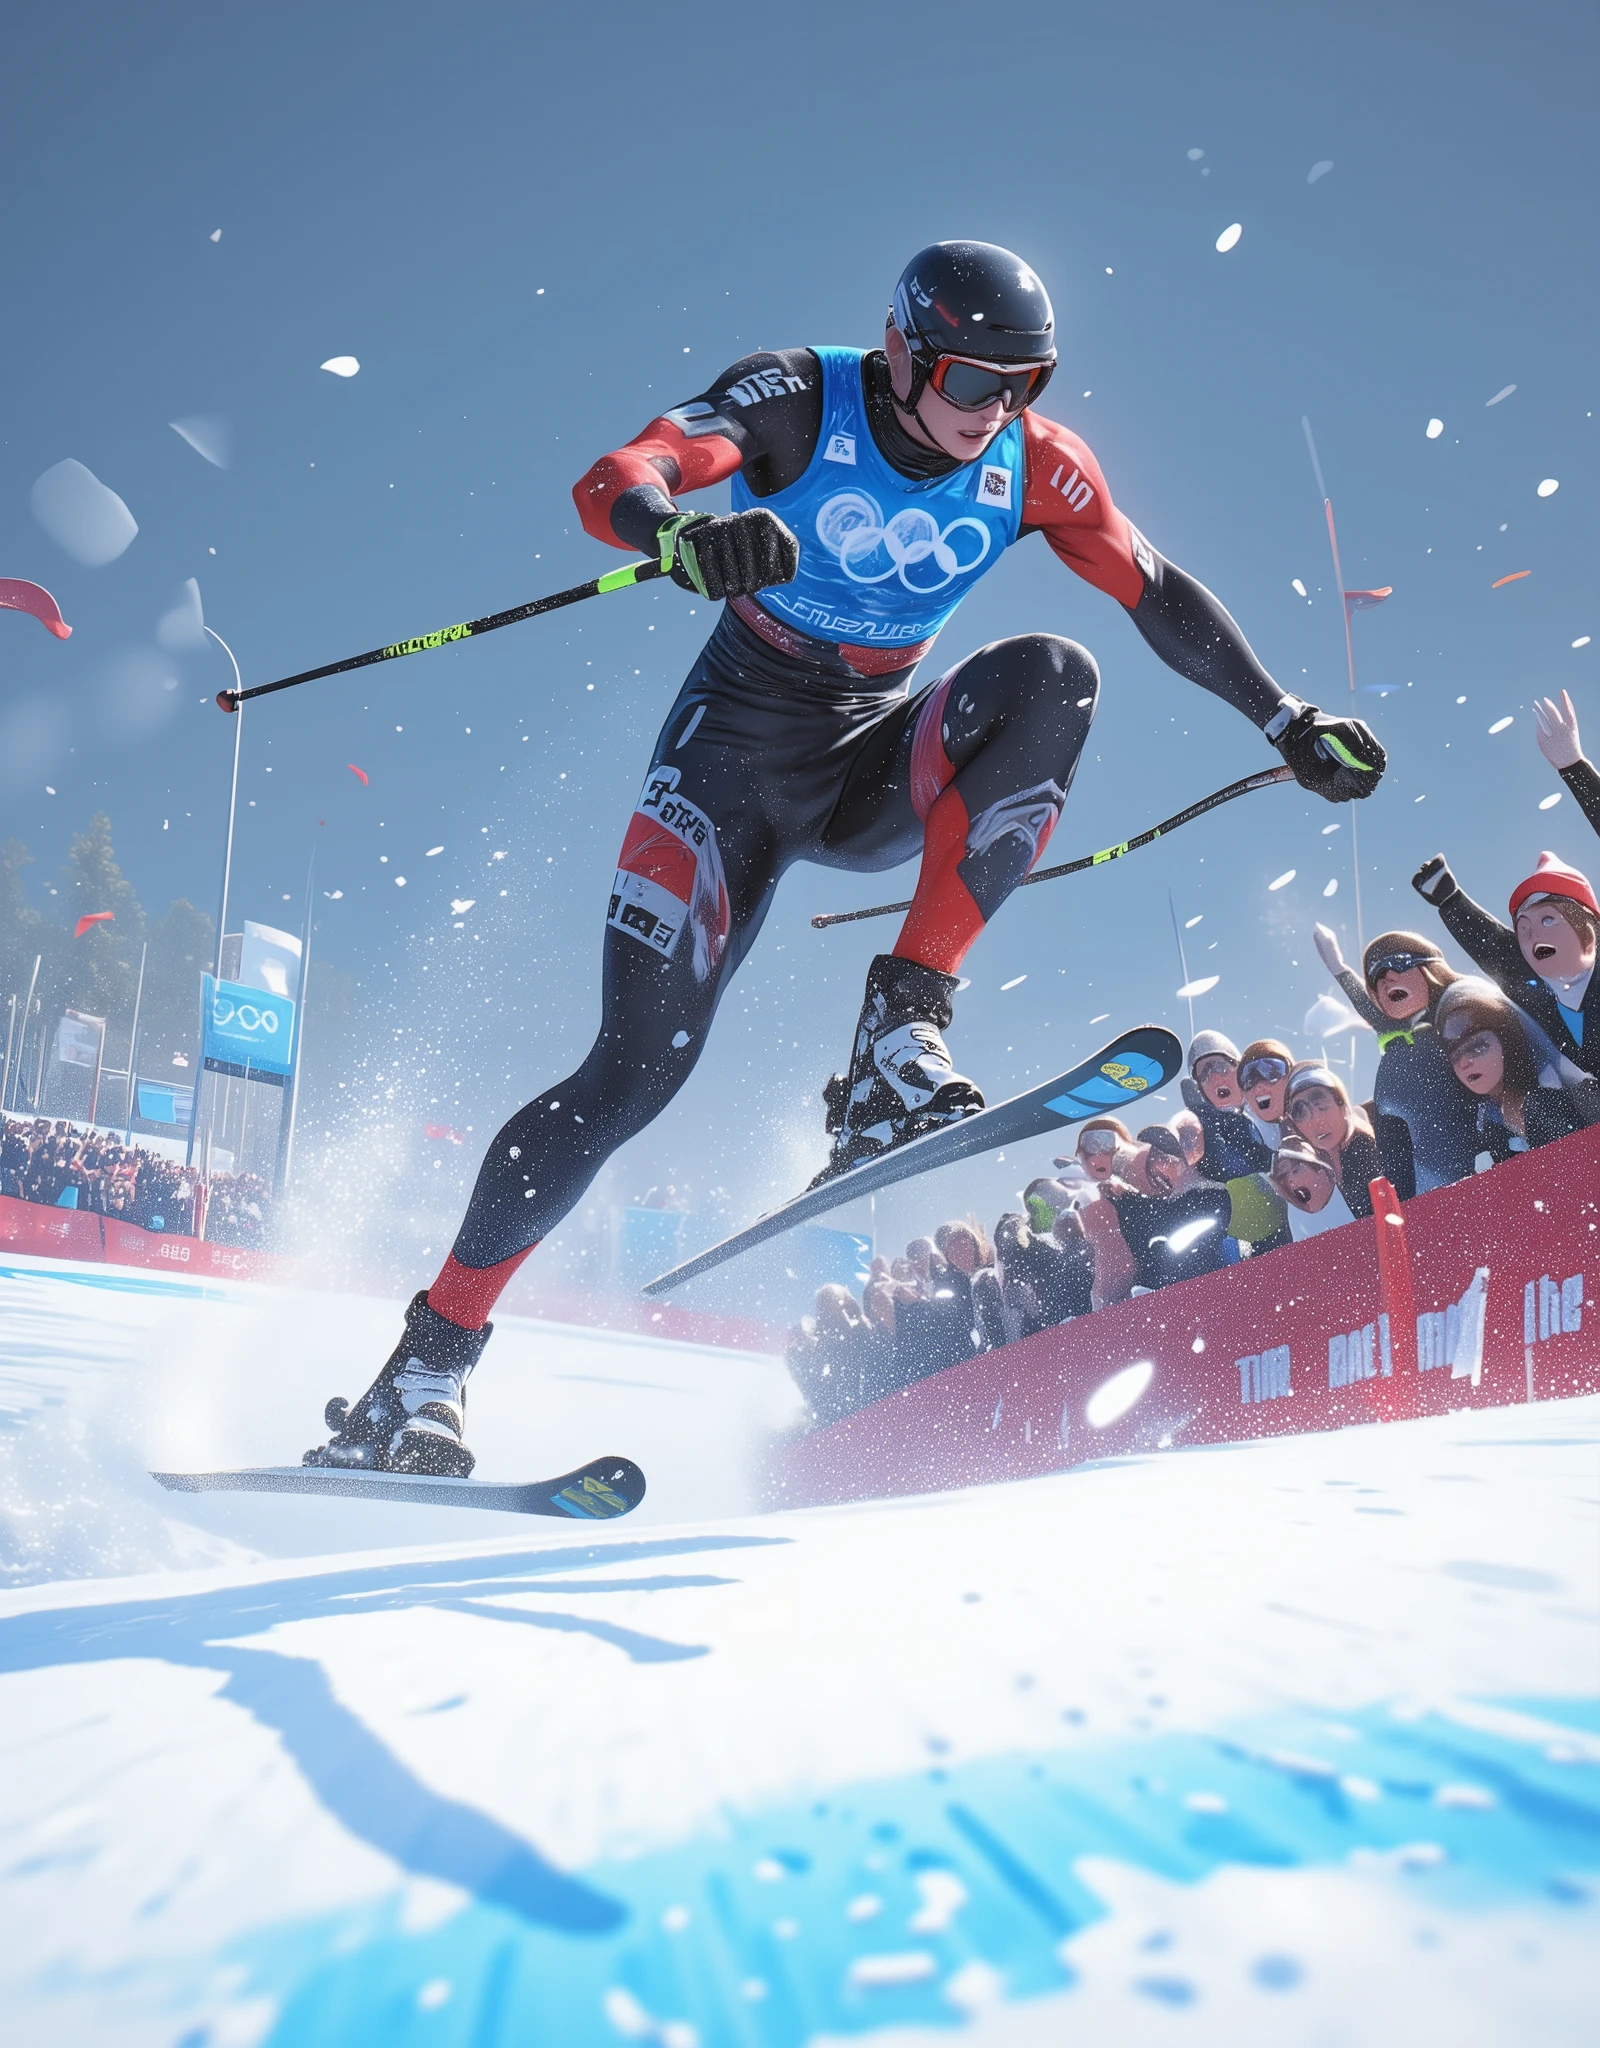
(674, 551)
(729, 555)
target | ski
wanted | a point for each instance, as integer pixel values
(1115, 1078)
(596, 1492)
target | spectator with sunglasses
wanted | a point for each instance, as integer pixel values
(1496, 1067)
(1422, 1140)
(1102, 1141)
(1263, 1077)
(1212, 1090)
(1319, 1109)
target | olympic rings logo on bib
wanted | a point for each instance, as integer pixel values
(912, 545)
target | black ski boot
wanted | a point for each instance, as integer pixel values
(901, 1082)
(412, 1416)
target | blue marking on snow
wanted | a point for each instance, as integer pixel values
(680, 1934)
(118, 1279)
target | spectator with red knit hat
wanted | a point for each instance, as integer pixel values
(1544, 960)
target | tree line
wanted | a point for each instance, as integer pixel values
(98, 973)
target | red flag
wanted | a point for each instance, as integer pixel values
(1364, 600)
(1516, 576)
(443, 1134)
(90, 917)
(19, 595)
(354, 770)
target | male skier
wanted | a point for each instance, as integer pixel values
(870, 491)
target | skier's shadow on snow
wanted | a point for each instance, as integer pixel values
(352, 1772)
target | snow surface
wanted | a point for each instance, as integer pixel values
(1291, 1742)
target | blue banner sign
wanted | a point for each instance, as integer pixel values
(162, 1102)
(246, 1030)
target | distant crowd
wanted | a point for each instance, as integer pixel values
(1268, 1150)
(65, 1167)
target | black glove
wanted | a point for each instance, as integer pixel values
(1339, 758)
(728, 557)
(1435, 881)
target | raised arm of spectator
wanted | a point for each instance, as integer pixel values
(1559, 742)
(1481, 936)
(1355, 988)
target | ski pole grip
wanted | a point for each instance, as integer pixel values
(227, 701)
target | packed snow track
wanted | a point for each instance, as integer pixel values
(1292, 1742)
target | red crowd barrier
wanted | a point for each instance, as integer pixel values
(1472, 1296)
(103, 1240)
(49, 1233)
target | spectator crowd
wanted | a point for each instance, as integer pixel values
(1268, 1150)
(64, 1167)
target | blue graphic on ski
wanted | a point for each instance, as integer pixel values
(596, 1492)
(1109, 1083)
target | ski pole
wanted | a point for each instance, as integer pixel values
(1263, 779)
(614, 579)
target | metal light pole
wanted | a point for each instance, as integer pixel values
(133, 1041)
(285, 1160)
(1182, 959)
(27, 1005)
(5, 1076)
(233, 801)
(222, 908)
(1349, 657)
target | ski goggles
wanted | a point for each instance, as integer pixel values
(1214, 1063)
(1482, 1042)
(1095, 1142)
(1262, 1071)
(1399, 963)
(970, 385)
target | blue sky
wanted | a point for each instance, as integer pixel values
(534, 230)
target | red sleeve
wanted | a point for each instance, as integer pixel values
(662, 456)
(1067, 500)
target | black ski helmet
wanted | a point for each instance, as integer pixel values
(972, 299)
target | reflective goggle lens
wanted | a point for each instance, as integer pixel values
(1267, 1069)
(1098, 1141)
(972, 386)
(1398, 963)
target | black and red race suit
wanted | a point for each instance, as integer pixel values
(784, 747)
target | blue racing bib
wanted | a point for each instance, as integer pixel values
(885, 559)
